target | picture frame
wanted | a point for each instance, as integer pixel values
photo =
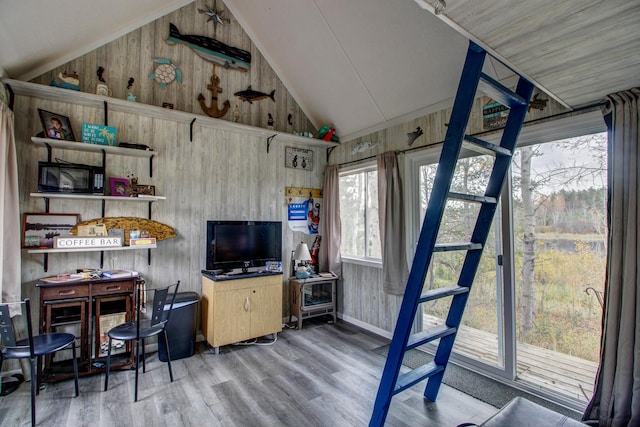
(119, 187)
(298, 158)
(144, 190)
(39, 229)
(56, 126)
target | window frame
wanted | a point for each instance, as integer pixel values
(367, 261)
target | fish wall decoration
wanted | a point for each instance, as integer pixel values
(211, 49)
(251, 95)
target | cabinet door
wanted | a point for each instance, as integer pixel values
(266, 310)
(231, 317)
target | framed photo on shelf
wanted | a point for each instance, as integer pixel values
(143, 190)
(119, 187)
(39, 229)
(56, 126)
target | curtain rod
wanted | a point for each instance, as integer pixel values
(583, 109)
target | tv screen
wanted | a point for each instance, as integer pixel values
(232, 244)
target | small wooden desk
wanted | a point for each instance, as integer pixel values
(82, 303)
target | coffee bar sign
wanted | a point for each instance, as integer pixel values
(86, 242)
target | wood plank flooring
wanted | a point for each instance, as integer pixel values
(323, 375)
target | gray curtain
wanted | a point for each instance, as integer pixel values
(10, 210)
(616, 399)
(330, 223)
(391, 216)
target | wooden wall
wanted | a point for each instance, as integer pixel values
(218, 175)
(132, 56)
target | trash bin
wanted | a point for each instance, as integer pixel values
(181, 329)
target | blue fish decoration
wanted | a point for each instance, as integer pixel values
(212, 50)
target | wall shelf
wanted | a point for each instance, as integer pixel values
(95, 148)
(117, 248)
(145, 199)
(97, 101)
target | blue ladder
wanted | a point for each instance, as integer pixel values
(391, 382)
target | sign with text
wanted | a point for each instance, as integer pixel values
(98, 134)
(86, 242)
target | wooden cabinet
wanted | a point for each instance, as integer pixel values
(235, 310)
(85, 303)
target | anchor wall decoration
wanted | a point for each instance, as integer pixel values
(215, 89)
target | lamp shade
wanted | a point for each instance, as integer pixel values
(302, 252)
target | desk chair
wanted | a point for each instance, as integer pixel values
(32, 348)
(141, 329)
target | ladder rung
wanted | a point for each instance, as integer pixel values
(433, 294)
(431, 334)
(415, 376)
(472, 198)
(484, 147)
(499, 92)
(446, 247)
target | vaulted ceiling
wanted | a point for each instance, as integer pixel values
(364, 65)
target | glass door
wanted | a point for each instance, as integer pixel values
(481, 338)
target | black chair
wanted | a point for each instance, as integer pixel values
(141, 329)
(32, 348)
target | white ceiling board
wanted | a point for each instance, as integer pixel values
(358, 64)
(301, 48)
(579, 51)
(407, 59)
(37, 36)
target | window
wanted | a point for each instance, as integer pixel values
(359, 214)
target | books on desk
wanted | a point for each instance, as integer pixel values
(119, 274)
(327, 275)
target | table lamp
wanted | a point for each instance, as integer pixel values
(303, 255)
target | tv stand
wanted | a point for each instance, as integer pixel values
(219, 275)
(240, 307)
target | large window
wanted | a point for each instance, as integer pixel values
(359, 214)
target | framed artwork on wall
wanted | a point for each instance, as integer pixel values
(298, 158)
(39, 229)
(56, 126)
(119, 187)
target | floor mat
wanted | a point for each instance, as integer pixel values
(474, 384)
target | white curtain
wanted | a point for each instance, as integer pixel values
(616, 399)
(330, 223)
(391, 220)
(10, 211)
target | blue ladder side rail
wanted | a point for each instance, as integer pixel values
(392, 382)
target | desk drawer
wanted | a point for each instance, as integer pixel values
(64, 292)
(110, 288)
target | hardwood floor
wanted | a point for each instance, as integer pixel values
(322, 375)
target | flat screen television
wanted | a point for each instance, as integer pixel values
(241, 244)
